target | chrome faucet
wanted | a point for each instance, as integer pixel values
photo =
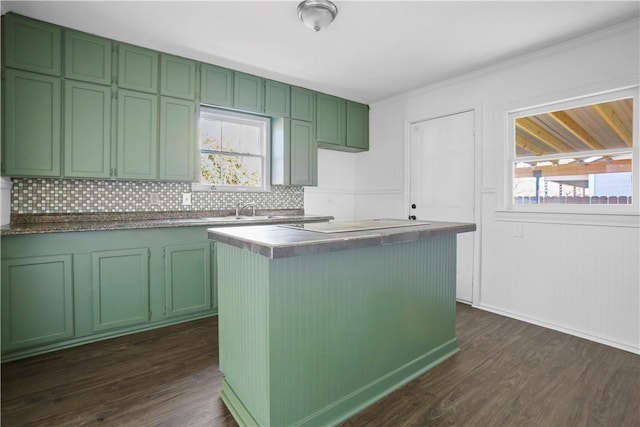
(240, 206)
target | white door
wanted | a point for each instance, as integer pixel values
(441, 187)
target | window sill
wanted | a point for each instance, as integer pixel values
(614, 218)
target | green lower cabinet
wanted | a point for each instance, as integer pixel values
(187, 278)
(60, 290)
(37, 301)
(120, 288)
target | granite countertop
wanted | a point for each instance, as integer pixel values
(63, 223)
(273, 241)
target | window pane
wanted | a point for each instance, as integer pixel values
(250, 140)
(210, 170)
(595, 180)
(230, 137)
(580, 155)
(219, 169)
(210, 134)
(595, 127)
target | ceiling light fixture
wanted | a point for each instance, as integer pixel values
(317, 14)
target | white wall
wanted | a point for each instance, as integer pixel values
(579, 274)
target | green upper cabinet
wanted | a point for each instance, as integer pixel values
(357, 126)
(303, 103)
(137, 135)
(341, 125)
(304, 154)
(277, 99)
(87, 130)
(32, 45)
(330, 118)
(32, 125)
(177, 139)
(294, 153)
(177, 77)
(248, 92)
(187, 278)
(37, 301)
(120, 287)
(137, 68)
(87, 58)
(216, 86)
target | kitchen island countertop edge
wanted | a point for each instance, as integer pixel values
(273, 241)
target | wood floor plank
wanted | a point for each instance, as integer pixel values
(507, 373)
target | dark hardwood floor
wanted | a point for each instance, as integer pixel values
(507, 373)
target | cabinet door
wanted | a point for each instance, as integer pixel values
(304, 152)
(87, 58)
(277, 99)
(87, 130)
(177, 77)
(137, 135)
(32, 105)
(330, 117)
(37, 301)
(216, 86)
(32, 45)
(303, 104)
(248, 92)
(177, 139)
(357, 126)
(187, 278)
(120, 288)
(137, 68)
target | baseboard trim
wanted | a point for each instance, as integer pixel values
(580, 334)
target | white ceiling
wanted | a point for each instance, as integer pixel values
(372, 51)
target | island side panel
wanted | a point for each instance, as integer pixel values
(243, 330)
(348, 327)
(314, 339)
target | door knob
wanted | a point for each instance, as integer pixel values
(413, 206)
(412, 217)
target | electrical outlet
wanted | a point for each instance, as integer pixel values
(186, 199)
(518, 230)
(154, 199)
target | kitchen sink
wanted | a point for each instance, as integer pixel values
(233, 218)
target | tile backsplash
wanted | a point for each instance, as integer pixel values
(39, 196)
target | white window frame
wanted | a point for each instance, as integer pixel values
(612, 95)
(264, 124)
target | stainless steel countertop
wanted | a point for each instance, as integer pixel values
(274, 241)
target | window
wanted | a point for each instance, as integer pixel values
(234, 150)
(579, 152)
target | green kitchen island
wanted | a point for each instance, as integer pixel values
(317, 322)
